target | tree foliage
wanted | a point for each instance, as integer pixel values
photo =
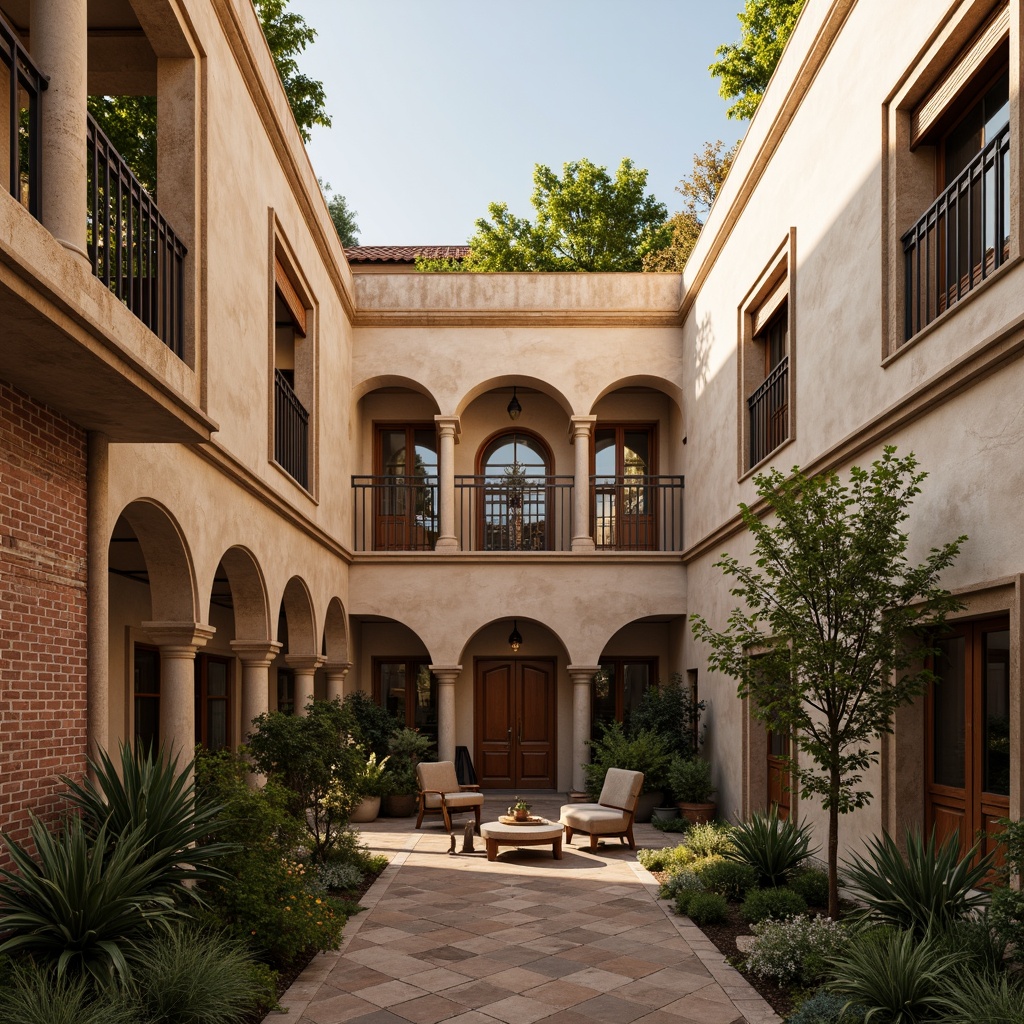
(745, 67)
(699, 191)
(838, 624)
(344, 218)
(586, 220)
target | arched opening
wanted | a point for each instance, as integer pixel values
(294, 669)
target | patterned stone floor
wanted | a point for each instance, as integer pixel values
(522, 939)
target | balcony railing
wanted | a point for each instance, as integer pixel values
(291, 431)
(638, 512)
(395, 513)
(769, 406)
(532, 514)
(21, 135)
(961, 238)
(132, 248)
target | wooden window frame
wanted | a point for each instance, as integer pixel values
(149, 648)
(618, 683)
(411, 662)
(203, 698)
(389, 526)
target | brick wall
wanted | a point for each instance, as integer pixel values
(42, 607)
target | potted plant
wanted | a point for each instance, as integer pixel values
(689, 778)
(645, 751)
(520, 809)
(406, 749)
(370, 785)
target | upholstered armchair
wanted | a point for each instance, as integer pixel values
(440, 793)
(612, 815)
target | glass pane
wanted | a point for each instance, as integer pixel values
(392, 688)
(948, 732)
(604, 452)
(602, 704)
(425, 703)
(513, 450)
(996, 713)
(636, 677)
(426, 453)
(216, 724)
(393, 452)
(216, 679)
(285, 692)
(147, 671)
(778, 743)
(636, 453)
(147, 721)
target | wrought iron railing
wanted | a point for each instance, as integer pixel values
(530, 514)
(21, 135)
(637, 512)
(961, 238)
(291, 431)
(132, 248)
(769, 408)
(395, 513)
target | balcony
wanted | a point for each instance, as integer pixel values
(291, 431)
(503, 514)
(637, 512)
(768, 407)
(395, 513)
(22, 137)
(961, 239)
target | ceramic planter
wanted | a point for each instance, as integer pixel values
(366, 810)
(697, 814)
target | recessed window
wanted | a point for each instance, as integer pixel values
(146, 696)
(625, 488)
(408, 689)
(406, 506)
(618, 687)
(212, 701)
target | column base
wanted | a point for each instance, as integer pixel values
(583, 544)
(447, 544)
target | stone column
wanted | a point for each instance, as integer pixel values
(336, 673)
(59, 40)
(256, 657)
(446, 676)
(448, 428)
(98, 594)
(304, 666)
(178, 643)
(580, 428)
(582, 676)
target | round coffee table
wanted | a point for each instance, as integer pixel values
(498, 834)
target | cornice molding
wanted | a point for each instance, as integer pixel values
(515, 318)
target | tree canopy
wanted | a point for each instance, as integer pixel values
(838, 624)
(745, 67)
(343, 217)
(699, 190)
(586, 220)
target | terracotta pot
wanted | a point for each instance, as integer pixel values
(646, 804)
(697, 814)
(366, 810)
(400, 805)
(521, 815)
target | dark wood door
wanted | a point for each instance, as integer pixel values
(515, 723)
(778, 776)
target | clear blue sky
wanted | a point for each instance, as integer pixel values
(442, 106)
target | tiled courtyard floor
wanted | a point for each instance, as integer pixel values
(525, 938)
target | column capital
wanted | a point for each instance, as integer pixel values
(304, 662)
(580, 426)
(257, 653)
(582, 674)
(450, 426)
(446, 673)
(183, 638)
(331, 667)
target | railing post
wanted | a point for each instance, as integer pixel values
(59, 47)
(580, 428)
(448, 428)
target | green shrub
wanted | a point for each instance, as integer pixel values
(709, 840)
(984, 997)
(647, 752)
(797, 950)
(727, 877)
(772, 846)
(1007, 903)
(680, 882)
(670, 858)
(812, 884)
(707, 908)
(778, 903)
(671, 824)
(825, 1007)
(348, 849)
(928, 890)
(689, 779)
(338, 876)
(669, 711)
(38, 996)
(406, 749)
(372, 726)
(897, 978)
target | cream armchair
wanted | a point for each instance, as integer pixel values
(440, 793)
(612, 815)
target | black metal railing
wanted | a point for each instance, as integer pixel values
(132, 248)
(961, 238)
(22, 134)
(534, 513)
(769, 408)
(395, 513)
(637, 512)
(291, 431)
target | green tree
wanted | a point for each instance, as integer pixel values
(585, 220)
(344, 219)
(699, 190)
(745, 67)
(130, 121)
(838, 623)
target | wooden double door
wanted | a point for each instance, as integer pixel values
(515, 713)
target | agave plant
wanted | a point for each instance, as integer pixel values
(927, 890)
(771, 845)
(153, 796)
(75, 908)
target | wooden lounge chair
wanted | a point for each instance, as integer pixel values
(612, 815)
(440, 793)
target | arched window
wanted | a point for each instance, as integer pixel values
(515, 468)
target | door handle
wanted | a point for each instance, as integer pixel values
(520, 730)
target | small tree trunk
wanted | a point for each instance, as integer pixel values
(833, 847)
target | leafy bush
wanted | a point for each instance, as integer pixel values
(349, 849)
(812, 884)
(336, 875)
(824, 1007)
(778, 903)
(927, 891)
(38, 996)
(1007, 912)
(671, 858)
(406, 749)
(680, 882)
(797, 950)
(671, 824)
(648, 752)
(689, 779)
(897, 978)
(727, 877)
(707, 908)
(372, 726)
(709, 840)
(669, 711)
(984, 996)
(771, 845)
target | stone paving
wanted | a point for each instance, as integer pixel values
(522, 939)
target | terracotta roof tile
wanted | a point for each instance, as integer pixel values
(404, 253)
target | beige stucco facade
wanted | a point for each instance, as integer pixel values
(206, 548)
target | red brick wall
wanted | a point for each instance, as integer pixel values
(42, 607)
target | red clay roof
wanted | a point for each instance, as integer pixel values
(404, 253)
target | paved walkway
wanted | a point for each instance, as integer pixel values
(522, 939)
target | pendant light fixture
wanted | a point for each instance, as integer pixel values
(515, 638)
(514, 408)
